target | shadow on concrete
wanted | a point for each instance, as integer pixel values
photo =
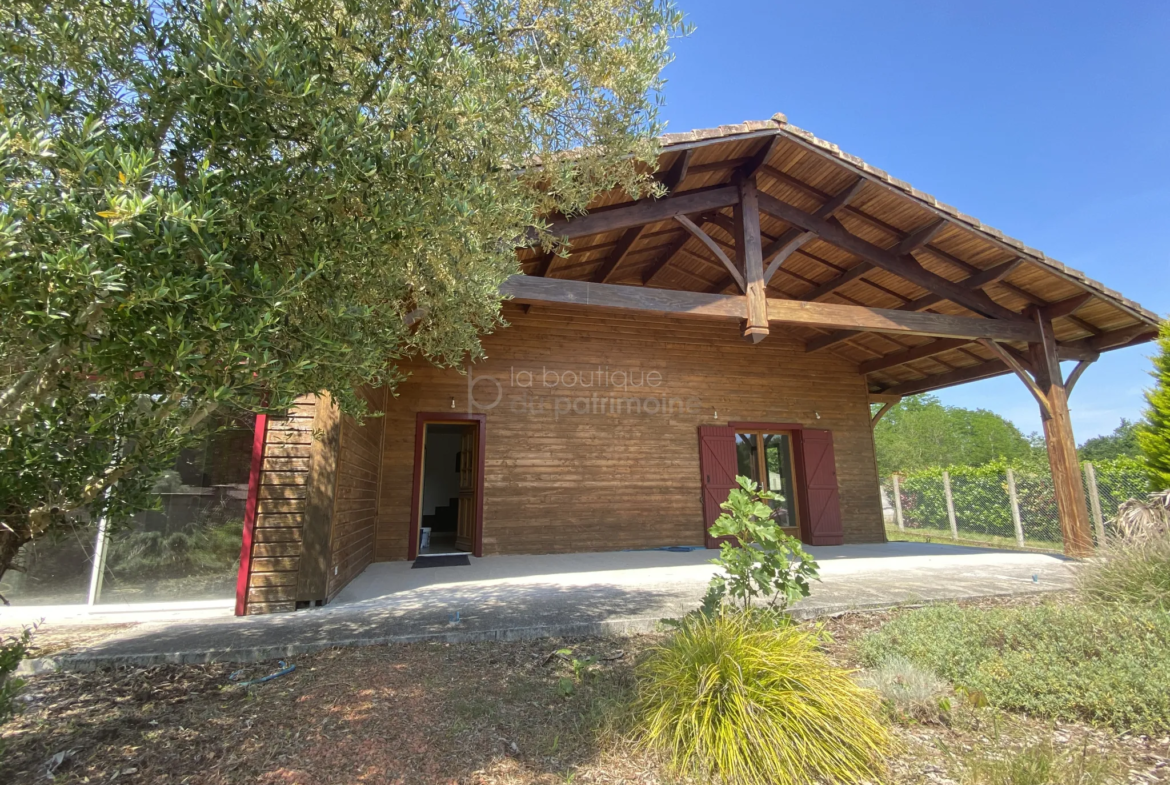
(451, 613)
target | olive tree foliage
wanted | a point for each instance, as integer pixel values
(214, 207)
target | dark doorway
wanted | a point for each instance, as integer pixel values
(448, 487)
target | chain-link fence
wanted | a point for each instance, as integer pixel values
(993, 505)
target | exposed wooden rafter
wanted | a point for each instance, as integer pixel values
(910, 355)
(906, 266)
(610, 219)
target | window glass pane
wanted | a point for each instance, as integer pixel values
(53, 569)
(778, 459)
(746, 453)
(189, 548)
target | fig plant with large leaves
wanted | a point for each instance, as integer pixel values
(213, 206)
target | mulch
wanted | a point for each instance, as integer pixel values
(514, 713)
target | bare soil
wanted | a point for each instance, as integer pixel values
(487, 713)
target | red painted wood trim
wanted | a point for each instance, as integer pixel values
(259, 436)
(801, 486)
(764, 426)
(420, 422)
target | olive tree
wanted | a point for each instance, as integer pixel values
(214, 206)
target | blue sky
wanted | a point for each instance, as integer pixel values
(1047, 120)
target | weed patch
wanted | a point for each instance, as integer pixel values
(1101, 665)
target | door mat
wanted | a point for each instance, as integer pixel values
(454, 560)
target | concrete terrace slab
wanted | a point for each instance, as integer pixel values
(510, 597)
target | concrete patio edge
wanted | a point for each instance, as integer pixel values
(603, 628)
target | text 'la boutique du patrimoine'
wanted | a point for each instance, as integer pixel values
(621, 391)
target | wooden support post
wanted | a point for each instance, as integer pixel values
(1062, 448)
(1095, 503)
(898, 503)
(950, 506)
(749, 249)
(1015, 502)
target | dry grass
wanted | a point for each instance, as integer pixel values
(431, 713)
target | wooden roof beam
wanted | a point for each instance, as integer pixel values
(610, 219)
(971, 373)
(529, 289)
(670, 179)
(608, 269)
(673, 177)
(753, 165)
(904, 266)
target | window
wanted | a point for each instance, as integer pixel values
(767, 459)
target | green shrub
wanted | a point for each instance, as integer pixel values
(739, 698)
(13, 650)
(758, 560)
(1073, 662)
(1039, 764)
(908, 691)
(1132, 573)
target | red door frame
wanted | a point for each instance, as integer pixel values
(422, 419)
(259, 435)
(797, 465)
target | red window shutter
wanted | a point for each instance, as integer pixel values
(717, 463)
(822, 499)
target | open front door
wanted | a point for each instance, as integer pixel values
(468, 466)
(717, 464)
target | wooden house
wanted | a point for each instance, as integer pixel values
(744, 323)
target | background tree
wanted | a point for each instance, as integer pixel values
(1122, 443)
(217, 206)
(1154, 433)
(920, 433)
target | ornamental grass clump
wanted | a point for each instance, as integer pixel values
(1135, 569)
(740, 697)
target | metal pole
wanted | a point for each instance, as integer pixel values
(1015, 500)
(950, 505)
(99, 563)
(898, 503)
(1095, 503)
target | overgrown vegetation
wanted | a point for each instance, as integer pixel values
(736, 698)
(1042, 763)
(1135, 566)
(218, 206)
(1069, 661)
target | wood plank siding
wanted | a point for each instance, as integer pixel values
(276, 540)
(356, 498)
(562, 477)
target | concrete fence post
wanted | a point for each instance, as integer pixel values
(1015, 500)
(1095, 502)
(950, 505)
(898, 502)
